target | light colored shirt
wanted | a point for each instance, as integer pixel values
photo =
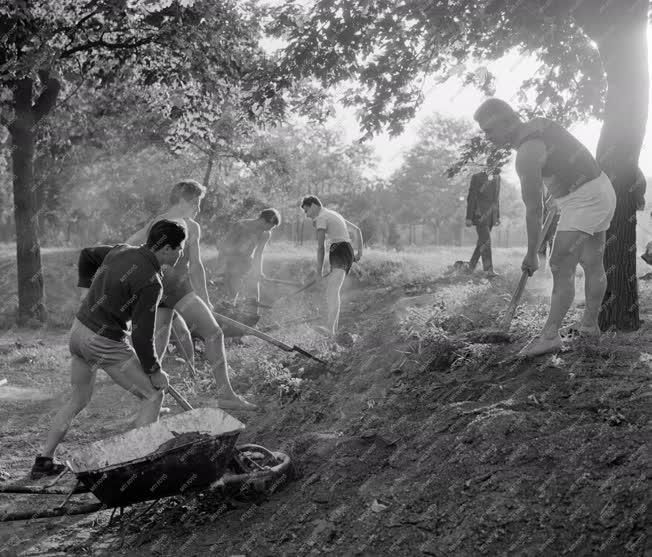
(334, 225)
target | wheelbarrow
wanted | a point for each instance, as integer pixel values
(191, 451)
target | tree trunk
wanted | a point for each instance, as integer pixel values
(28, 250)
(621, 35)
(209, 170)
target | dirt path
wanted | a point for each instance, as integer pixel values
(410, 443)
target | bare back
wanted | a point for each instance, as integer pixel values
(241, 240)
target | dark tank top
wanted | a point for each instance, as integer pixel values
(567, 160)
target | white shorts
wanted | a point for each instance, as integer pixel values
(589, 208)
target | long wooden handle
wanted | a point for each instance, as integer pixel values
(281, 281)
(516, 297)
(179, 398)
(302, 289)
(253, 332)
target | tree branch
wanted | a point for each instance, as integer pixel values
(109, 46)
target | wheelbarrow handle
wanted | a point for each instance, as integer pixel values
(179, 398)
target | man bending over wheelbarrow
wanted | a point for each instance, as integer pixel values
(126, 288)
(330, 224)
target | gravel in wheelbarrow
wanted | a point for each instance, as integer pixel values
(177, 454)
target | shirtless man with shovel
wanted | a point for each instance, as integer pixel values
(241, 254)
(548, 154)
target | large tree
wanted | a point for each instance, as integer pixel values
(388, 47)
(49, 48)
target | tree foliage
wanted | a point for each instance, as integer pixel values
(387, 49)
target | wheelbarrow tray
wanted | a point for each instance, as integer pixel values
(177, 454)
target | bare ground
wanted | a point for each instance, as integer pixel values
(411, 442)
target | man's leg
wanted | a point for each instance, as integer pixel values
(566, 251)
(595, 280)
(485, 232)
(333, 288)
(200, 319)
(131, 377)
(162, 328)
(183, 338)
(477, 251)
(82, 379)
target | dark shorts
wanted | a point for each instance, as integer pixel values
(340, 256)
(175, 287)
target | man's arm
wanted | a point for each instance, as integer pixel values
(142, 327)
(258, 252)
(358, 237)
(529, 162)
(197, 271)
(321, 238)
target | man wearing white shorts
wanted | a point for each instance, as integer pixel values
(127, 287)
(548, 154)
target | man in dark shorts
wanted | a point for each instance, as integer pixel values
(240, 258)
(330, 224)
(127, 287)
(483, 212)
(548, 154)
(185, 292)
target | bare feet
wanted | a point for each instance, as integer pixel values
(578, 330)
(540, 345)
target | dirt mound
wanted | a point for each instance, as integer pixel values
(415, 442)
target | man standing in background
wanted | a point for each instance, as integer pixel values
(483, 212)
(331, 224)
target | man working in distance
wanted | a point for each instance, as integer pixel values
(330, 224)
(184, 291)
(126, 288)
(483, 212)
(240, 256)
(548, 154)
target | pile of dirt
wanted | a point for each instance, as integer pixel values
(415, 442)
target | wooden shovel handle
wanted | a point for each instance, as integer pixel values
(516, 297)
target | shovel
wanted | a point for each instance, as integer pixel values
(179, 398)
(501, 334)
(302, 289)
(256, 333)
(283, 282)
